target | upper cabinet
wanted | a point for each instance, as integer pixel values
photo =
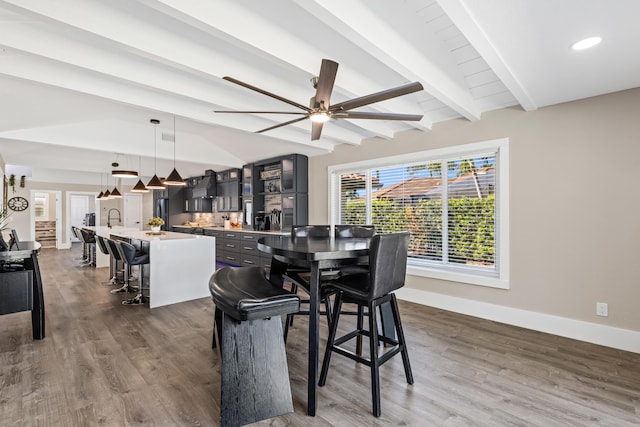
(286, 174)
(228, 188)
(279, 191)
(198, 193)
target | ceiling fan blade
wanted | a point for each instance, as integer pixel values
(258, 112)
(316, 130)
(324, 86)
(377, 116)
(282, 124)
(377, 97)
(264, 92)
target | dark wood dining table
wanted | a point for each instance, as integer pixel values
(315, 254)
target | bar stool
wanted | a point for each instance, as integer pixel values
(115, 251)
(89, 240)
(255, 376)
(131, 256)
(76, 233)
(387, 270)
(113, 263)
(298, 276)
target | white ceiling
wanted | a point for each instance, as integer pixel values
(80, 79)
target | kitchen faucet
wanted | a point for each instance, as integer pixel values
(109, 217)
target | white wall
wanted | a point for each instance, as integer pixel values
(573, 207)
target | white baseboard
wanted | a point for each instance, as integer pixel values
(622, 339)
(64, 246)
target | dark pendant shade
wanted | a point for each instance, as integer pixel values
(115, 193)
(174, 178)
(156, 184)
(124, 174)
(106, 194)
(99, 196)
(140, 188)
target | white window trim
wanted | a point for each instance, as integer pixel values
(501, 147)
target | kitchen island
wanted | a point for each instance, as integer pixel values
(180, 265)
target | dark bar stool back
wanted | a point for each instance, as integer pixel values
(131, 256)
(387, 270)
(299, 276)
(89, 239)
(116, 252)
(104, 248)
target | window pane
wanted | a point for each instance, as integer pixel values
(352, 198)
(410, 198)
(471, 212)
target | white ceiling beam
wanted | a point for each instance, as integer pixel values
(357, 22)
(60, 75)
(172, 50)
(470, 28)
(245, 26)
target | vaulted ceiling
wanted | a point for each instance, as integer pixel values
(80, 79)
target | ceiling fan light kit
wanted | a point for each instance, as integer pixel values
(320, 110)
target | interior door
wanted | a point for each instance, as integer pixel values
(133, 211)
(78, 209)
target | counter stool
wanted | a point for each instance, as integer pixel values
(387, 270)
(131, 256)
(76, 233)
(115, 251)
(255, 376)
(113, 261)
(89, 240)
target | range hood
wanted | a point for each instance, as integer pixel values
(206, 187)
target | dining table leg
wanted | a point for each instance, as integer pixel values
(314, 339)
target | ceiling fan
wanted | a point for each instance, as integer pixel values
(320, 110)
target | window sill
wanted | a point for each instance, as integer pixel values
(470, 279)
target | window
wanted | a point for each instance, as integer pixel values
(453, 201)
(41, 206)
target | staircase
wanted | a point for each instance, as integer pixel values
(46, 233)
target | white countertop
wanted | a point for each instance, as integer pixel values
(104, 231)
(240, 230)
(150, 236)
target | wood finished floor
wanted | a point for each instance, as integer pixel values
(102, 363)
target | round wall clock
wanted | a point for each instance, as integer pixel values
(18, 203)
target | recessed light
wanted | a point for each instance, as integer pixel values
(586, 43)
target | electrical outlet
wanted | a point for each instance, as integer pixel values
(602, 309)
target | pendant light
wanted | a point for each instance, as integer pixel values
(106, 195)
(140, 187)
(115, 194)
(99, 196)
(121, 173)
(155, 183)
(174, 177)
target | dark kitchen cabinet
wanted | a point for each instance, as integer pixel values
(228, 187)
(247, 180)
(195, 200)
(280, 188)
